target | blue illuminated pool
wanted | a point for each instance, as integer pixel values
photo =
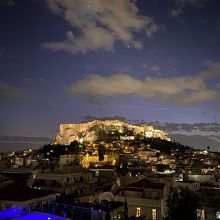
(39, 216)
(11, 213)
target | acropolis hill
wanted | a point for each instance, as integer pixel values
(101, 129)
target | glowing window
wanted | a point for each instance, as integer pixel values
(218, 215)
(154, 214)
(138, 212)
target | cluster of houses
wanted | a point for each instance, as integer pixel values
(144, 187)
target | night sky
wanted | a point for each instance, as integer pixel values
(152, 60)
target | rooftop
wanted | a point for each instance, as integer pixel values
(144, 183)
(19, 192)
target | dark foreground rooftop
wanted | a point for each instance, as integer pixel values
(19, 192)
(144, 183)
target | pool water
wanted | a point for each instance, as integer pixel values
(39, 216)
(11, 213)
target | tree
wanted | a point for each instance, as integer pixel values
(54, 151)
(107, 216)
(182, 204)
(125, 214)
(74, 147)
(101, 152)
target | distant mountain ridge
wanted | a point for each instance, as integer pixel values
(11, 143)
(101, 129)
(198, 135)
(23, 139)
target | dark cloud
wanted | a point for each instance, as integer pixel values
(212, 70)
(92, 117)
(181, 4)
(7, 2)
(10, 92)
(197, 141)
(199, 135)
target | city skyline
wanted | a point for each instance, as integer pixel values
(63, 60)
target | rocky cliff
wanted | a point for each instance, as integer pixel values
(103, 130)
